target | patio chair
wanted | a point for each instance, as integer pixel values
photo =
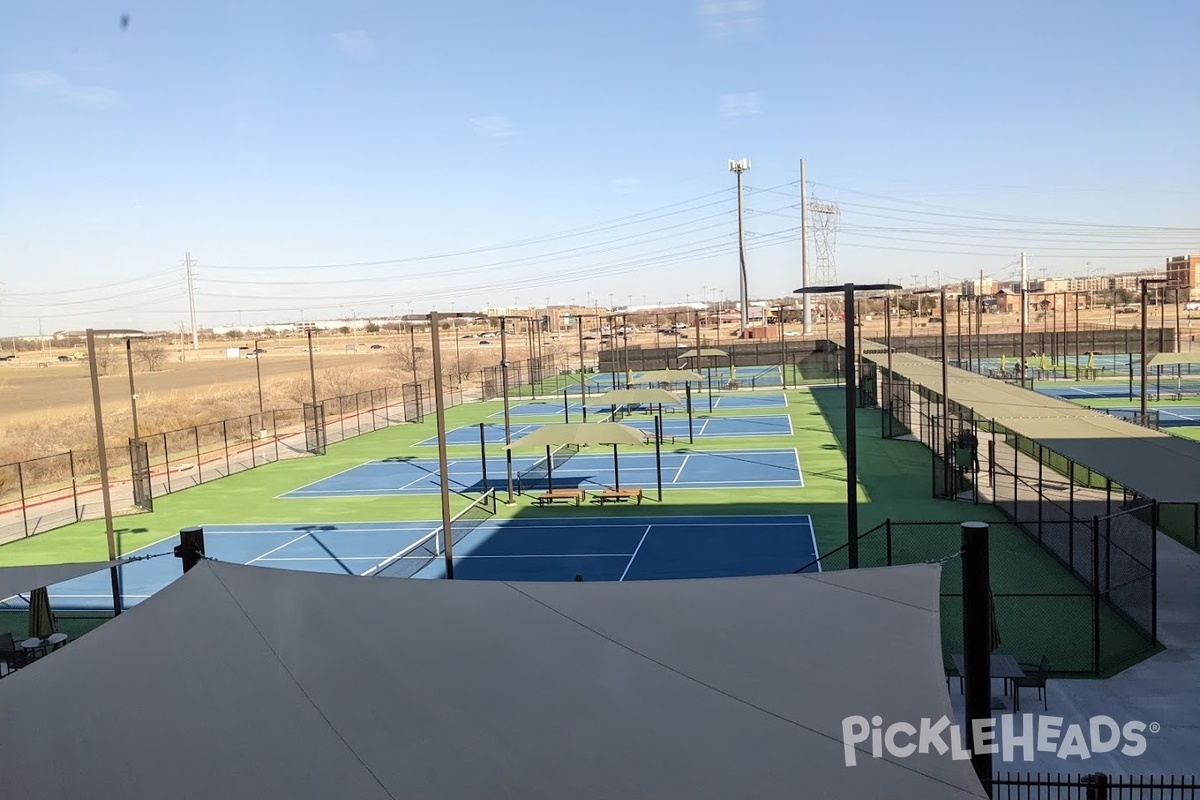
(1032, 680)
(12, 654)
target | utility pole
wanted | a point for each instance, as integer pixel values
(738, 167)
(804, 276)
(191, 290)
(1024, 284)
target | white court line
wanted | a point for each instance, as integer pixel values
(635, 552)
(716, 403)
(812, 531)
(791, 430)
(705, 425)
(799, 472)
(556, 555)
(681, 466)
(277, 549)
(327, 477)
(325, 558)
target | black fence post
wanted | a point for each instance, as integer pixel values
(977, 639)
(887, 528)
(1095, 594)
(1096, 786)
(191, 547)
(1154, 572)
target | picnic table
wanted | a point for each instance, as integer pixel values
(619, 496)
(560, 496)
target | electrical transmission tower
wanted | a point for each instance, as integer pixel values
(825, 218)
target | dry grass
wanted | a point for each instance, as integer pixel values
(165, 412)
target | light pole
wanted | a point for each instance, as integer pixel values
(312, 372)
(102, 455)
(133, 398)
(1144, 282)
(262, 431)
(738, 167)
(851, 419)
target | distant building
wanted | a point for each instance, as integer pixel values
(1184, 272)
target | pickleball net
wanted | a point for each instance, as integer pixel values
(540, 472)
(421, 553)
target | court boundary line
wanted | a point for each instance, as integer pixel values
(313, 483)
(636, 550)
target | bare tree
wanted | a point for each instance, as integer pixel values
(104, 359)
(404, 361)
(152, 354)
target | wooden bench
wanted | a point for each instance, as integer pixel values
(619, 496)
(667, 437)
(560, 496)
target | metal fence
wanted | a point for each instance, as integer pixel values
(1077, 621)
(49, 492)
(1102, 533)
(1096, 786)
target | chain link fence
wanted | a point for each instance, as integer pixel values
(49, 492)
(1076, 617)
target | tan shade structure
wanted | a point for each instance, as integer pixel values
(580, 433)
(1153, 464)
(639, 397)
(708, 689)
(1171, 359)
(705, 351)
(668, 376)
(18, 580)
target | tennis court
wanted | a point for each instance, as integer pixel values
(725, 402)
(673, 426)
(689, 469)
(631, 548)
(1168, 416)
(1167, 386)
(544, 549)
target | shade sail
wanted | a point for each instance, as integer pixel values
(1154, 464)
(707, 351)
(230, 683)
(20, 580)
(580, 433)
(631, 397)
(668, 376)
(1171, 359)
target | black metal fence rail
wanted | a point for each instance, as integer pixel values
(1094, 786)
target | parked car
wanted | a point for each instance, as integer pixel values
(376, 347)
(484, 341)
(67, 359)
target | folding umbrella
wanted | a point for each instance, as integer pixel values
(41, 621)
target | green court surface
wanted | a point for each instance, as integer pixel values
(894, 478)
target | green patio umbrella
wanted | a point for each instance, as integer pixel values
(41, 621)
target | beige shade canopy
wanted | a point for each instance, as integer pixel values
(626, 397)
(1170, 359)
(707, 351)
(580, 433)
(668, 376)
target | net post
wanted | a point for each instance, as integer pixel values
(191, 547)
(658, 436)
(566, 408)
(483, 454)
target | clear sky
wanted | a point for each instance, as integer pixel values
(324, 158)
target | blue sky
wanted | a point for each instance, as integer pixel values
(369, 156)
